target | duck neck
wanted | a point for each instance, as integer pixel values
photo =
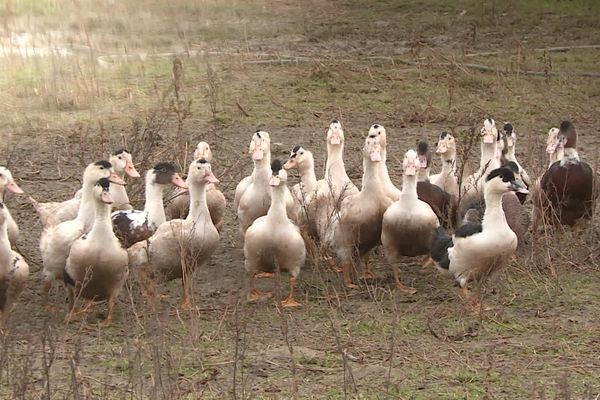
(494, 214)
(198, 206)
(510, 154)
(277, 209)
(335, 159)
(409, 188)
(448, 163)
(308, 177)
(423, 174)
(102, 229)
(154, 204)
(85, 214)
(118, 192)
(5, 250)
(262, 169)
(570, 153)
(488, 157)
(371, 185)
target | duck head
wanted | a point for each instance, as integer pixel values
(446, 143)
(567, 135)
(164, 174)
(411, 163)
(122, 162)
(372, 149)
(299, 158)
(335, 133)
(510, 136)
(424, 154)
(278, 174)
(260, 144)
(489, 132)
(203, 151)
(98, 170)
(200, 172)
(7, 182)
(377, 131)
(102, 191)
(503, 180)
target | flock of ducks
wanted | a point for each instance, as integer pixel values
(468, 227)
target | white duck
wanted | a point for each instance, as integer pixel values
(389, 188)
(336, 179)
(56, 241)
(476, 251)
(408, 223)
(55, 212)
(274, 241)
(179, 205)
(8, 183)
(358, 227)
(446, 180)
(252, 196)
(161, 257)
(96, 268)
(14, 271)
(132, 226)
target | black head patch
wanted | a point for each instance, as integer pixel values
(566, 125)
(512, 166)
(202, 161)
(104, 183)
(505, 173)
(258, 134)
(375, 125)
(508, 128)
(296, 148)
(1, 206)
(104, 164)
(120, 151)
(164, 167)
(422, 148)
(443, 135)
(164, 172)
(276, 166)
(335, 121)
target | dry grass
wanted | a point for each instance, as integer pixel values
(290, 68)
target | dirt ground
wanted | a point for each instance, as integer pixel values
(289, 68)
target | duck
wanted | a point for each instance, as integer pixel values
(472, 186)
(122, 162)
(446, 179)
(14, 271)
(179, 205)
(97, 266)
(7, 182)
(335, 176)
(357, 226)
(252, 196)
(160, 256)
(54, 212)
(391, 191)
(132, 226)
(56, 241)
(567, 187)
(508, 153)
(274, 242)
(433, 195)
(409, 222)
(477, 250)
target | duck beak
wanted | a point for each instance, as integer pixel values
(274, 181)
(509, 142)
(551, 148)
(411, 168)
(289, 164)
(441, 148)
(489, 137)
(114, 178)
(518, 187)
(13, 187)
(130, 170)
(178, 181)
(258, 153)
(375, 154)
(106, 197)
(423, 161)
(335, 137)
(210, 177)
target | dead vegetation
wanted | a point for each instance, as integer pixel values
(291, 68)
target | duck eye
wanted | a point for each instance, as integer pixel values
(301, 153)
(120, 158)
(101, 167)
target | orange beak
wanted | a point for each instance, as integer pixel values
(289, 164)
(131, 171)
(12, 186)
(106, 197)
(177, 181)
(114, 178)
(211, 178)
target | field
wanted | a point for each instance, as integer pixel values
(103, 77)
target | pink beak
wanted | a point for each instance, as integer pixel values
(442, 148)
(376, 154)
(289, 164)
(488, 137)
(509, 142)
(131, 171)
(114, 178)
(177, 181)
(12, 186)
(335, 137)
(106, 197)
(551, 148)
(258, 153)
(274, 181)
(411, 168)
(211, 178)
